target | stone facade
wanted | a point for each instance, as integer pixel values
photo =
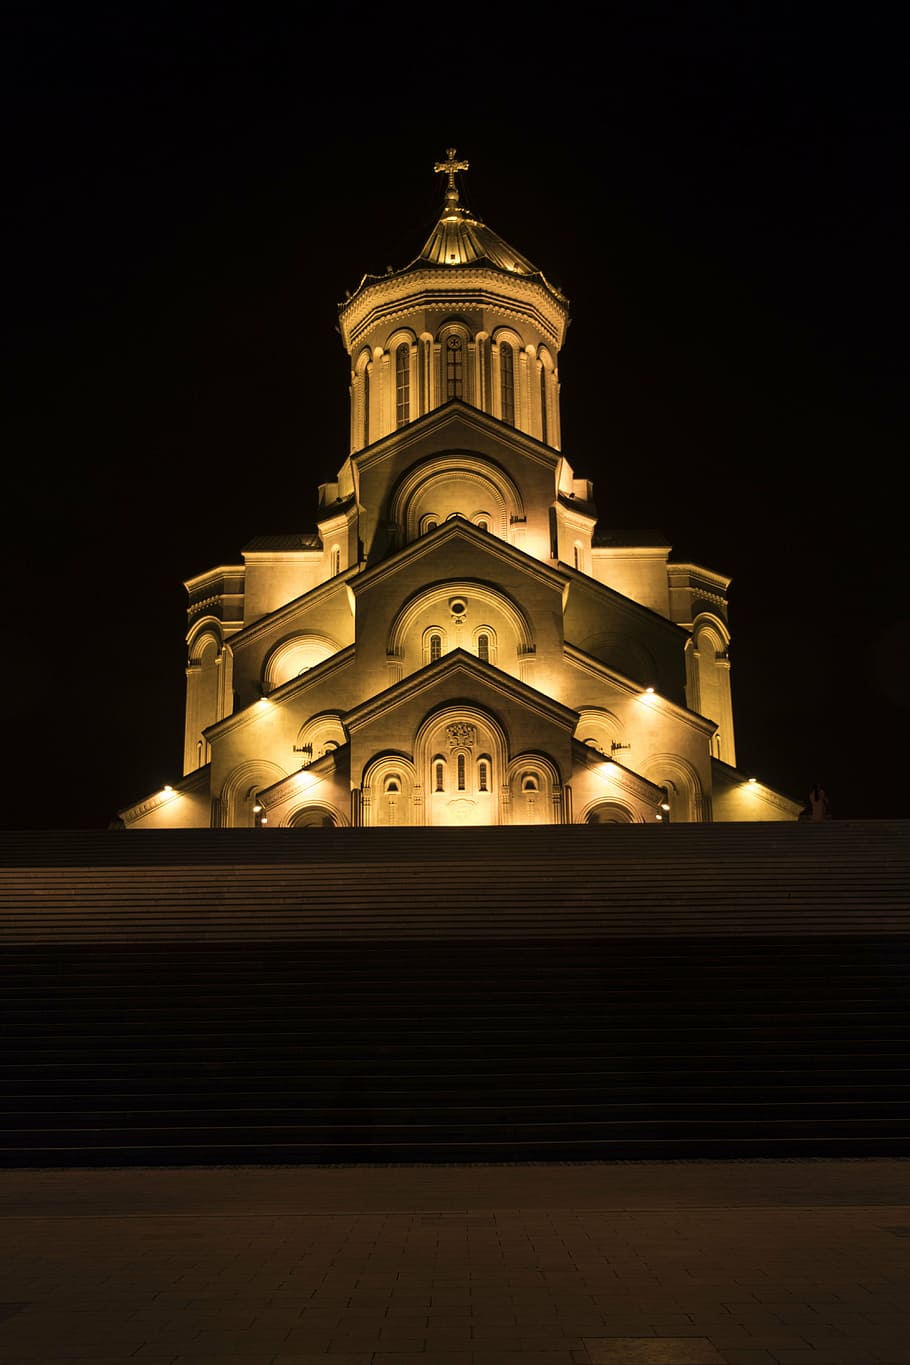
(458, 641)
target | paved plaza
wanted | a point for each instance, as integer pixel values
(651, 1263)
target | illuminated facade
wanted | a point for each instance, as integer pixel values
(458, 641)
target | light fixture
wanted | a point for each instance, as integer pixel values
(664, 805)
(753, 779)
(256, 807)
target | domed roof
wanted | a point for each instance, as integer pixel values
(460, 238)
(461, 261)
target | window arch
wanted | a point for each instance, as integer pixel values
(507, 382)
(439, 773)
(544, 433)
(366, 405)
(485, 643)
(434, 644)
(454, 365)
(402, 384)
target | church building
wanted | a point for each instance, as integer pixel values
(458, 641)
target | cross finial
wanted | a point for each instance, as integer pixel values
(449, 168)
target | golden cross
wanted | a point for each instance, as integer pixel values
(451, 166)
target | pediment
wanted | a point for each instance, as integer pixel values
(455, 425)
(447, 550)
(459, 676)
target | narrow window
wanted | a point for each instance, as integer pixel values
(432, 524)
(507, 382)
(336, 561)
(483, 525)
(543, 405)
(529, 782)
(482, 771)
(577, 554)
(440, 777)
(461, 772)
(454, 367)
(435, 647)
(403, 384)
(366, 405)
(483, 648)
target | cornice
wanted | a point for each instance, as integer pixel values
(597, 669)
(250, 715)
(394, 297)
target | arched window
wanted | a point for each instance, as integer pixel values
(461, 772)
(483, 525)
(543, 404)
(392, 783)
(402, 384)
(454, 367)
(483, 775)
(439, 770)
(336, 561)
(366, 405)
(435, 647)
(529, 782)
(483, 647)
(507, 382)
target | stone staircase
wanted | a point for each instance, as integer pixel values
(564, 994)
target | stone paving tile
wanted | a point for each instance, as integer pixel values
(757, 1280)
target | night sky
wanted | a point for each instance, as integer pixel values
(187, 200)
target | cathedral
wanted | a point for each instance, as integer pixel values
(458, 641)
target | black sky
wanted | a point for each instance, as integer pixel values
(188, 198)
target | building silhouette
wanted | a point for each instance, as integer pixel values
(459, 641)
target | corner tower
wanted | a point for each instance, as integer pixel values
(469, 318)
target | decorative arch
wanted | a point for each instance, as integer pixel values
(681, 782)
(598, 729)
(609, 813)
(319, 735)
(709, 680)
(387, 794)
(295, 656)
(547, 400)
(437, 601)
(360, 399)
(204, 634)
(209, 676)
(457, 482)
(535, 790)
(623, 654)
(470, 746)
(240, 789)
(316, 815)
